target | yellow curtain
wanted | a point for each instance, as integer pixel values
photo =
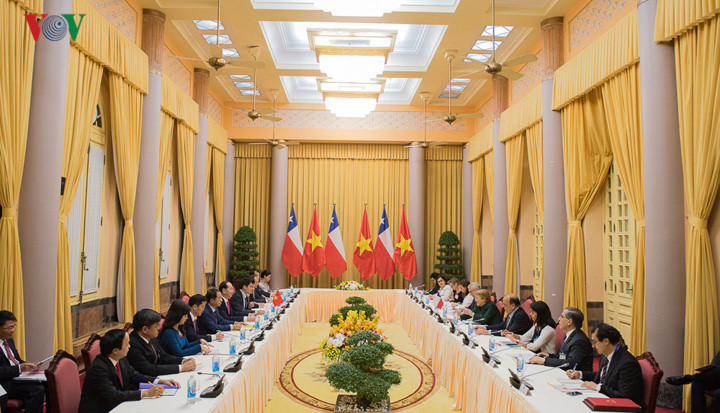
(348, 175)
(488, 157)
(443, 200)
(252, 195)
(167, 126)
(126, 120)
(218, 172)
(534, 139)
(84, 78)
(698, 83)
(676, 17)
(587, 158)
(186, 167)
(17, 49)
(478, 169)
(514, 154)
(621, 102)
(208, 249)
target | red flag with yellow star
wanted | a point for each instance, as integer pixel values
(364, 257)
(314, 253)
(404, 255)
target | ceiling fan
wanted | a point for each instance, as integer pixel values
(275, 142)
(450, 117)
(262, 113)
(425, 96)
(492, 67)
(217, 61)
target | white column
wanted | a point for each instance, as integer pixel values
(664, 210)
(39, 204)
(278, 215)
(500, 202)
(467, 214)
(229, 204)
(197, 220)
(416, 210)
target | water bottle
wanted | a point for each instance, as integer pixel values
(470, 330)
(191, 389)
(492, 343)
(266, 317)
(292, 290)
(272, 309)
(233, 346)
(242, 334)
(257, 324)
(215, 364)
(520, 363)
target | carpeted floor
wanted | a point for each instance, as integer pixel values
(303, 387)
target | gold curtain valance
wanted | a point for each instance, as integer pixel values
(480, 143)
(243, 150)
(179, 104)
(444, 153)
(674, 17)
(347, 151)
(612, 52)
(522, 115)
(103, 42)
(217, 136)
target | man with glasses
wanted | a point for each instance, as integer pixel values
(576, 349)
(11, 365)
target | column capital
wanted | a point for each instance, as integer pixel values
(552, 45)
(153, 32)
(201, 91)
(501, 86)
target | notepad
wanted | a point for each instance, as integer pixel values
(31, 376)
(168, 389)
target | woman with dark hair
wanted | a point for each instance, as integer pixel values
(541, 336)
(434, 277)
(172, 335)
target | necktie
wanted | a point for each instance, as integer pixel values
(11, 356)
(117, 367)
(227, 304)
(195, 325)
(603, 373)
(153, 350)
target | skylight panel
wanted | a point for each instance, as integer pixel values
(500, 31)
(240, 77)
(453, 95)
(213, 39)
(456, 88)
(480, 57)
(207, 25)
(249, 92)
(459, 80)
(245, 85)
(230, 53)
(486, 45)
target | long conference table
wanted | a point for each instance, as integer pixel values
(474, 385)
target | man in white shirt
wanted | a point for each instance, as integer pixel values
(11, 365)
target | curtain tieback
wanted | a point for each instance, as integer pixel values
(8, 212)
(129, 222)
(640, 223)
(575, 224)
(693, 220)
(63, 220)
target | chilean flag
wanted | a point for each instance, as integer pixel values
(335, 261)
(384, 250)
(292, 249)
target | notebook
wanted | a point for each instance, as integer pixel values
(169, 390)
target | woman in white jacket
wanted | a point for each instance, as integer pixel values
(445, 292)
(541, 336)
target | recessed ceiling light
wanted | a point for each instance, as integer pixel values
(207, 25)
(453, 95)
(459, 80)
(213, 39)
(500, 31)
(458, 88)
(249, 92)
(245, 85)
(486, 45)
(230, 53)
(355, 8)
(240, 77)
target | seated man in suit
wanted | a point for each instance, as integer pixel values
(197, 305)
(146, 355)
(517, 320)
(240, 301)
(227, 290)
(707, 379)
(619, 374)
(575, 348)
(210, 322)
(111, 380)
(11, 365)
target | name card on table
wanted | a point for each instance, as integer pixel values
(524, 390)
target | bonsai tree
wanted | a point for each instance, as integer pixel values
(360, 369)
(244, 255)
(449, 256)
(355, 304)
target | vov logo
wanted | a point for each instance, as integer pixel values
(54, 27)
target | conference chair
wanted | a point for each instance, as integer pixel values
(501, 307)
(128, 327)
(90, 350)
(526, 304)
(652, 374)
(559, 337)
(63, 383)
(15, 406)
(185, 297)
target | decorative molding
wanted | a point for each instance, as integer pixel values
(486, 110)
(119, 13)
(532, 76)
(215, 110)
(595, 18)
(176, 71)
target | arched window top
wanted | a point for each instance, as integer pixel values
(97, 119)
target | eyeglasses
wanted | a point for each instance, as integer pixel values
(563, 316)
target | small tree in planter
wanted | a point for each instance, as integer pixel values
(360, 371)
(244, 255)
(449, 256)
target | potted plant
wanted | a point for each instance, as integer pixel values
(449, 256)
(244, 255)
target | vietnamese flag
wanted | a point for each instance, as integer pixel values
(440, 304)
(314, 253)
(404, 255)
(277, 298)
(363, 256)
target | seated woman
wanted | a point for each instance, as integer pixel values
(433, 278)
(463, 294)
(445, 292)
(541, 336)
(172, 336)
(485, 312)
(457, 296)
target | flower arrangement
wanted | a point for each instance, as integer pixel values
(351, 286)
(350, 319)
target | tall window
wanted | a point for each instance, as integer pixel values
(162, 230)
(85, 220)
(619, 257)
(538, 248)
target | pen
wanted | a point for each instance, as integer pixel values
(575, 367)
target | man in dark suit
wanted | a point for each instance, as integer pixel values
(240, 301)
(707, 379)
(210, 322)
(227, 290)
(146, 355)
(619, 374)
(575, 347)
(192, 326)
(517, 320)
(11, 365)
(111, 380)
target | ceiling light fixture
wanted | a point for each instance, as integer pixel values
(355, 8)
(352, 55)
(350, 107)
(350, 100)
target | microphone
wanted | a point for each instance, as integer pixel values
(218, 375)
(562, 366)
(516, 381)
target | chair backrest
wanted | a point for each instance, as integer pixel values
(185, 297)
(63, 383)
(526, 304)
(500, 307)
(493, 297)
(652, 375)
(559, 337)
(128, 327)
(90, 350)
